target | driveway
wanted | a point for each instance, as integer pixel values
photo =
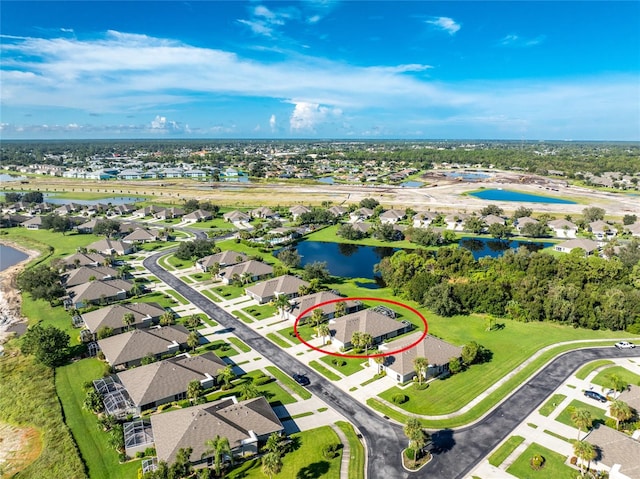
(455, 452)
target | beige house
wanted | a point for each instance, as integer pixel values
(400, 366)
(586, 245)
(144, 316)
(563, 229)
(302, 303)
(127, 349)
(245, 424)
(282, 285)
(84, 259)
(108, 246)
(140, 235)
(223, 259)
(378, 325)
(254, 271)
(97, 292)
(84, 274)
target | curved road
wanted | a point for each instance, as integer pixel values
(455, 452)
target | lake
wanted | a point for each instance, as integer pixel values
(412, 184)
(508, 195)
(5, 177)
(481, 247)
(467, 176)
(327, 180)
(10, 256)
(114, 200)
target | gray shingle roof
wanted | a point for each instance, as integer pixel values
(193, 426)
(224, 258)
(303, 303)
(286, 284)
(617, 448)
(437, 352)
(136, 344)
(111, 316)
(84, 259)
(365, 321)
(255, 268)
(95, 290)
(81, 275)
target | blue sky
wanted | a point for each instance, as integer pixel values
(321, 69)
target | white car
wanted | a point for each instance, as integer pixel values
(625, 345)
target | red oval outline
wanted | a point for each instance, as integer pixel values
(378, 355)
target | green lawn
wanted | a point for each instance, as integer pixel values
(41, 310)
(553, 467)
(178, 263)
(272, 391)
(214, 223)
(307, 332)
(177, 296)
(266, 256)
(28, 399)
(551, 404)
(324, 371)
(229, 292)
(505, 450)
(261, 312)
(164, 300)
(211, 296)
(205, 276)
(597, 414)
(222, 348)
(620, 371)
(276, 338)
(243, 317)
(329, 235)
(592, 366)
(305, 462)
(352, 365)
(357, 456)
(101, 460)
(239, 344)
(288, 382)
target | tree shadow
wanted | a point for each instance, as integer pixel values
(294, 444)
(313, 471)
(442, 441)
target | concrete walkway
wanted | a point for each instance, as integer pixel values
(346, 452)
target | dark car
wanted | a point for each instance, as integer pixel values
(301, 379)
(595, 395)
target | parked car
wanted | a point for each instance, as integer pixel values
(595, 395)
(301, 379)
(625, 345)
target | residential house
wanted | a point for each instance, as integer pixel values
(602, 231)
(145, 315)
(634, 229)
(263, 212)
(68, 209)
(246, 424)
(197, 215)
(166, 381)
(362, 226)
(121, 210)
(456, 222)
(147, 211)
(108, 246)
(84, 274)
(140, 235)
(11, 220)
(360, 215)
(169, 213)
(400, 366)
(222, 259)
(493, 220)
(303, 303)
(84, 259)
(195, 174)
(298, 210)
(252, 270)
(130, 175)
(586, 245)
(34, 223)
(378, 325)
(127, 349)
(282, 285)
(563, 228)
(338, 211)
(423, 219)
(172, 173)
(392, 216)
(97, 292)
(617, 451)
(523, 221)
(87, 227)
(236, 216)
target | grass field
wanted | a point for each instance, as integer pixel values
(305, 462)
(505, 450)
(619, 371)
(597, 414)
(551, 404)
(329, 235)
(101, 460)
(307, 332)
(357, 454)
(28, 398)
(553, 467)
(351, 366)
(42, 311)
(239, 344)
(585, 370)
(63, 245)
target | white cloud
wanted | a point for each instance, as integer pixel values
(307, 116)
(513, 40)
(67, 30)
(272, 123)
(161, 124)
(447, 24)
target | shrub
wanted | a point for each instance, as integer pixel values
(150, 451)
(410, 453)
(339, 362)
(537, 462)
(184, 403)
(122, 457)
(259, 381)
(420, 387)
(139, 455)
(573, 460)
(399, 398)
(330, 451)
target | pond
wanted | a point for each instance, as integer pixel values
(328, 180)
(114, 200)
(10, 256)
(412, 184)
(4, 177)
(481, 247)
(346, 260)
(467, 176)
(509, 195)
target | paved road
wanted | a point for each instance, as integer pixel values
(455, 452)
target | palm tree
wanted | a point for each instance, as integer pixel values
(193, 340)
(167, 318)
(317, 316)
(136, 289)
(615, 382)
(420, 365)
(281, 302)
(582, 419)
(585, 452)
(246, 277)
(226, 375)
(218, 447)
(355, 339)
(274, 443)
(341, 309)
(194, 391)
(413, 430)
(366, 340)
(380, 360)
(621, 411)
(249, 391)
(323, 331)
(271, 464)
(128, 319)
